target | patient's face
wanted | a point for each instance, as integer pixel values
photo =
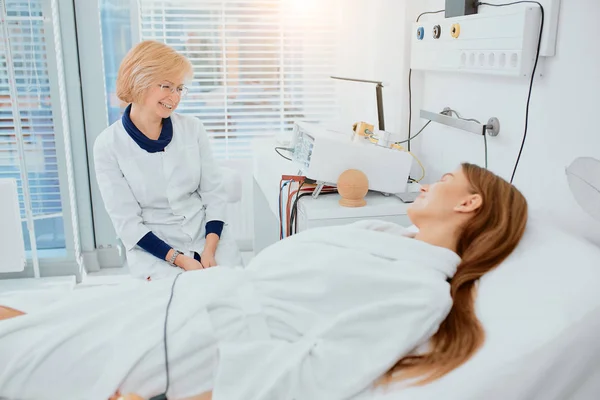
(440, 200)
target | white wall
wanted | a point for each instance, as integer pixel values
(373, 47)
(564, 102)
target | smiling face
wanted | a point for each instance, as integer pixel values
(164, 97)
(449, 200)
(152, 76)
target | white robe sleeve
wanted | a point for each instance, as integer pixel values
(212, 189)
(121, 205)
(338, 362)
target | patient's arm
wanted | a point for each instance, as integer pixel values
(7, 312)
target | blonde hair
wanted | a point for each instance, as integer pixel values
(484, 242)
(147, 64)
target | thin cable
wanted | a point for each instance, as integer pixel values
(281, 155)
(422, 168)
(451, 111)
(418, 133)
(430, 12)
(410, 104)
(460, 117)
(303, 195)
(486, 149)
(537, 57)
(292, 215)
(410, 85)
(165, 335)
(280, 210)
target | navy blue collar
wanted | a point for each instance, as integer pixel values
(151, 146)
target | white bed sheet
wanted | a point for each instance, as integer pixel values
(541, 313)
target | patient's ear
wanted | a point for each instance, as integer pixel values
(469, 204)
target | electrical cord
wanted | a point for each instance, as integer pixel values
(418, 133)
(163, 396)
(409, 104)
(295, 206)
(281, 155)
(429, 12)
(422, 168)
(486, 148)
(537, 58)
(292, 216)
(484, 133)
(280, 211)
(451, 111)
(410, 83)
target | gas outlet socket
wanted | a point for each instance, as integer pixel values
(455, 31)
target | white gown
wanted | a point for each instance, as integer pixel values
(172, 193)
(320, 315)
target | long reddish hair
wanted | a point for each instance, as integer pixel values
(484, 242)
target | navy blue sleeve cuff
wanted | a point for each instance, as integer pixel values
(214, 227)
(155, 246)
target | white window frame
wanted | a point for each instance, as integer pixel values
(65, 93)
(108, 252)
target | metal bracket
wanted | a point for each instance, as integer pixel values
(492, 128)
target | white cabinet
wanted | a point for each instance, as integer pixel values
(312, 213)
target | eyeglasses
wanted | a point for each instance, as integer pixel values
(181, 90)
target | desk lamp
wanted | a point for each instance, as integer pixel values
(378, 94)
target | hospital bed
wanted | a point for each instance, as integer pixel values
(541, 313)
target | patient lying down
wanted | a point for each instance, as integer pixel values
(325, 314)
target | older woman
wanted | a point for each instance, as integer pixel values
(160, 185)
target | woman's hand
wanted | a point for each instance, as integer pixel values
(187, 263)
(207, 259)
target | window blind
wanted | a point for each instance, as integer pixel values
(259, 65)
(26, 102)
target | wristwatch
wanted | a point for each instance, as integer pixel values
(174, 257)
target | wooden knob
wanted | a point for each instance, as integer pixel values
(353, 185)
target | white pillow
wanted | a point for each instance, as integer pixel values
(537, 308)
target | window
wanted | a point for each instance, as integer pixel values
(27, 129)
(259, 65)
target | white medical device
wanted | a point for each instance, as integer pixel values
(323, 154)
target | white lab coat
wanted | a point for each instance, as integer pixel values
(318, 316)
(171, 193)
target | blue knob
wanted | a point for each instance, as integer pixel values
(420, 33)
